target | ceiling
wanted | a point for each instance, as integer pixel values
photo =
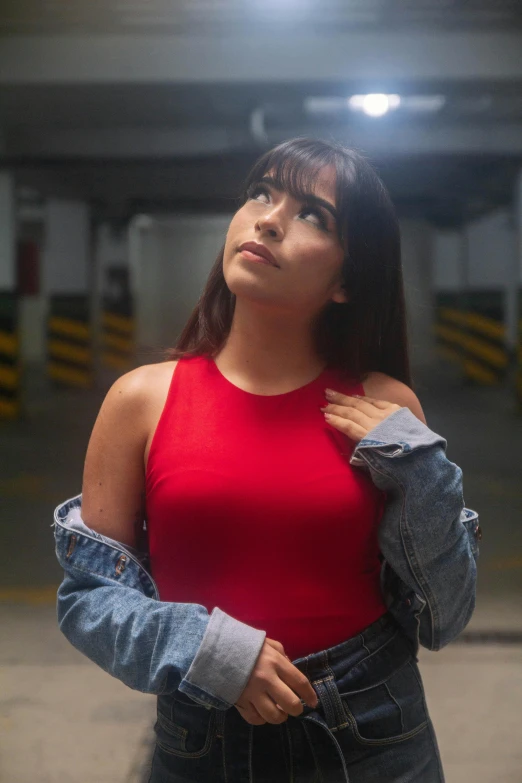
(45, 17)
(154, 146)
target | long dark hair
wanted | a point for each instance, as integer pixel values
(367, 333)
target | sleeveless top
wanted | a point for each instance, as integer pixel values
(252, 506)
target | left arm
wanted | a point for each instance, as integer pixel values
(427, 535)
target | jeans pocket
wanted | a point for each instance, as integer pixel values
(392, 711)
(183, 727)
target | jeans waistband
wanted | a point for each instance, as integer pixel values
(349, 652)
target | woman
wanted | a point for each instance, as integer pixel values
(327, 538)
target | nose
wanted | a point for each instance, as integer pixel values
(270, 224)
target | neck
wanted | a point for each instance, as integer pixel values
(269, 348)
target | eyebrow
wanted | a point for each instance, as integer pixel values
(309, 197)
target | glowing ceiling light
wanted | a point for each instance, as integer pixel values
(375, 104)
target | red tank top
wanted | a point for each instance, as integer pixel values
(253, 506)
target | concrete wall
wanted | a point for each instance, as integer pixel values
(170, 260)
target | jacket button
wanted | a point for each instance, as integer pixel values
(120, 565)
(479, 533)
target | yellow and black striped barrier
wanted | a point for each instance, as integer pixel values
(470, 331)
(10, 374)
(117, 341)
(69, 346)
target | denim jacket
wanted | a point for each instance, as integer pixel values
(108, 605)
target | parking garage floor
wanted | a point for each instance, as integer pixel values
(64, 719)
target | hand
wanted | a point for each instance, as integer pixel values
(274, 689)
(355, 416)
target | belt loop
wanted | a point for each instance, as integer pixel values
(328, 693)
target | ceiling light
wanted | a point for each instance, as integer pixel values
(374, 104)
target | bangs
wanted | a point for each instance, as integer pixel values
(295, 167)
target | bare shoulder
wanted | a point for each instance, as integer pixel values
(383, 387)
(144, 386)
(113, 490)
(135, 400)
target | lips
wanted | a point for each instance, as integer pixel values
(259, 250)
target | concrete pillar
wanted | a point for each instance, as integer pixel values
(449, 261)
(68, 281)
(7, 232)
(9, 342)
(417, 251)
(113, 309)
(32, 299)
(67, 247)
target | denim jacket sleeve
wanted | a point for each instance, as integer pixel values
(108, 607)
(427, 536)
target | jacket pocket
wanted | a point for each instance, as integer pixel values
(390, 712)
(184, 728)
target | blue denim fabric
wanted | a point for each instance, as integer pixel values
(371, 724)
(108, 605)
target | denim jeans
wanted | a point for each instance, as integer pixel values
(371, 724)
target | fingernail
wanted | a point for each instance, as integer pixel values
(329, 393)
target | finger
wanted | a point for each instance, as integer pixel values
(381, 404)
(250, 714)
(294, 683)
(353, 414)
(347, 427)
(367, 403)
(363, 403)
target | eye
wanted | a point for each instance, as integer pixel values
(255, 191)
(317, 213)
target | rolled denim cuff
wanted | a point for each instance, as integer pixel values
(224, 661)
(398, 434)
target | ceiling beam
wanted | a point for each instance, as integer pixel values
(378, 58)
(379, 137)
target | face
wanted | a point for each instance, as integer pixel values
(300, 235)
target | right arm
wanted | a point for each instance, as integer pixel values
(150, 645)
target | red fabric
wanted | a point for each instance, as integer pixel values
(252, 506)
